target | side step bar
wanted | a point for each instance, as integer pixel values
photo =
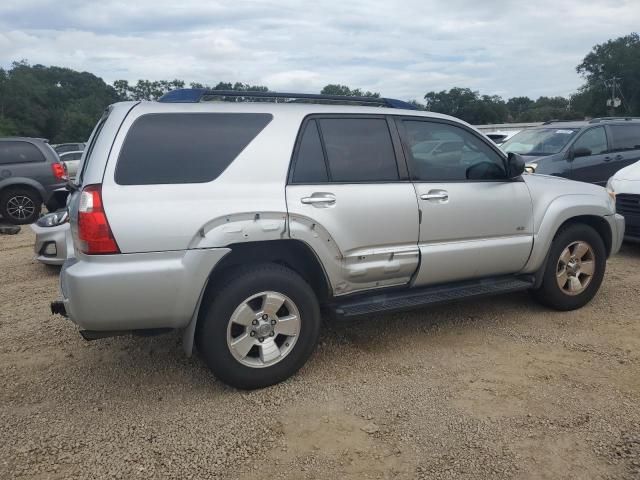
(407, 299)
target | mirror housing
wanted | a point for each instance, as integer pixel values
(580, 152)
(515, 165)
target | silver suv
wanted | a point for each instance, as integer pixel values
(237, 222)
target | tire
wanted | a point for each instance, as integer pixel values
(20, 206)
(569, 245)
(231, 316)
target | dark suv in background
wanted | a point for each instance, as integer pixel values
(30, 174)
(588, 151)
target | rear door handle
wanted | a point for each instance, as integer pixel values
(619, 157)
(436, 196)
(319, 199)
(607, 159)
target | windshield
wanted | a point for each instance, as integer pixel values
(539, 141)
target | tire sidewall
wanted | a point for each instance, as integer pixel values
(212, 336)
(551, 293)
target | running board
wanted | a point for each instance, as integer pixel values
(407, 299)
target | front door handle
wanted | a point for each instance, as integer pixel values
(319, 199)
(607, 158)
(439, 196)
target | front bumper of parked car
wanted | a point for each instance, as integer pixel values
(53, 244)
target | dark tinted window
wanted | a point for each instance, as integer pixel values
(625, 137)
(19, 152)
(443, 152)
(185, 147)
(359, 149)
(594, 139)
(310, 166)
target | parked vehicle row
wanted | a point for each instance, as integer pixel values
(280, 209)
(590, 151)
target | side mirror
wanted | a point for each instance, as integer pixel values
(515, 165)
(581, 152)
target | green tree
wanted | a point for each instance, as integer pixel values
(336, 89)
(618, 58)
(468, 105)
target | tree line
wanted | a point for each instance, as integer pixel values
(61, 104)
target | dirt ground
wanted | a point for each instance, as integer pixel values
(498, 388)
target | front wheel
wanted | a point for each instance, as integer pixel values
(260, 328)
(575, 268)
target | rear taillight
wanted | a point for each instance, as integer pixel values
(94, 232)
(59, 171)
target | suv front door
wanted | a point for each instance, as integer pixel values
(475, 222)
(350, 200)
(595, 167)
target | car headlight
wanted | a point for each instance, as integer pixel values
(610, 190)
(53, 219)
(530, 167)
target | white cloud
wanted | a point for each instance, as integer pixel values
(402, 49)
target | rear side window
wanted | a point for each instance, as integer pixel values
(359, 149)
(310, 163)
(19, 152)
(625, 137)
(185, 147)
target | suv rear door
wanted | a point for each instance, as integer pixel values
(475, 222)
(349, 198)
(625, 145)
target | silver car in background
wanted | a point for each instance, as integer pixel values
(71, 161)
(53, 240)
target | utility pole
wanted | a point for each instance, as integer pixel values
(613, 102)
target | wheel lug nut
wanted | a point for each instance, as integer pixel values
(261, 339)
(252, 333)
(271, 334)
(255, 322)
(265, 316)
(273, 322)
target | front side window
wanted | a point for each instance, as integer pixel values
(539, 141)
(442, 152)
(19, 152)
(594, 140)
(185, 147)
(625, 137)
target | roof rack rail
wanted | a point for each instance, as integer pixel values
(549, 122)
(195, 95)
(609, 119)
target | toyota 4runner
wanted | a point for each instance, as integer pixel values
(237, 222)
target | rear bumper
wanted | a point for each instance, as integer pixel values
(58, 236)
(136, 291)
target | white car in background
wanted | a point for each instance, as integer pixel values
(625, 187)
(71, 161)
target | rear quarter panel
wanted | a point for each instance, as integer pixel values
(246, 202)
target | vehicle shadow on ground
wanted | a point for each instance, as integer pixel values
(152, 364)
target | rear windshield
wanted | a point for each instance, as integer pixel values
(539, 141)
(185, 147)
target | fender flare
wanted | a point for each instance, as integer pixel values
(23, 181)
(559, 212)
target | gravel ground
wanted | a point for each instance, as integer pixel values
(498, 388)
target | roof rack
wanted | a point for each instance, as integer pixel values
(549, 122)
(609, 119)
(195, 95)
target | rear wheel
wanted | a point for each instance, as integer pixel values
(575, 268)
(260, 328)
(20, 206)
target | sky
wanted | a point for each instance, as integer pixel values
(401, 48)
